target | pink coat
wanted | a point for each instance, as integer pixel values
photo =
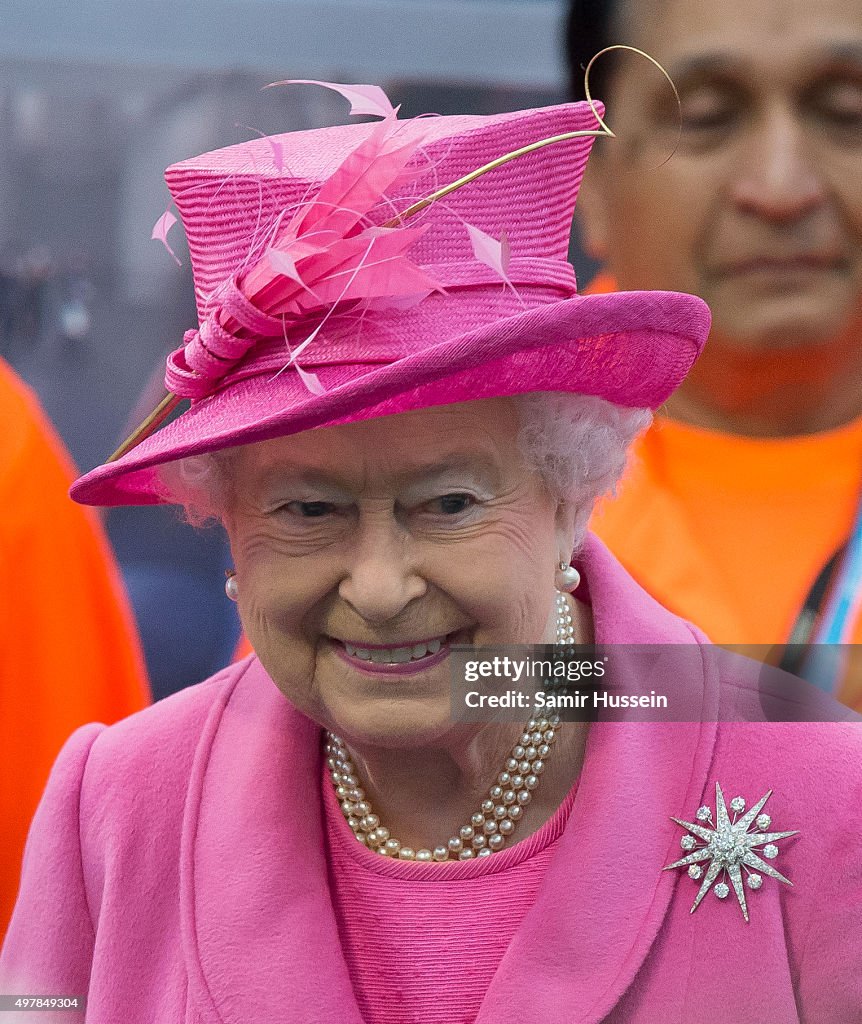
(176, 871)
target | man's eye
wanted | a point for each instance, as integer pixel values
(454, 504)
(707, 120)
(707, 109)
(705, 116)
(310, 509)
(840, 103)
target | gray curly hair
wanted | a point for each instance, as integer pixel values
(577, 444)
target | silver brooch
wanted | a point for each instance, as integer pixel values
(731, 848)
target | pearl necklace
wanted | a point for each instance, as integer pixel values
(496, 820)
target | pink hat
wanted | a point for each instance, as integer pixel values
(322, 302)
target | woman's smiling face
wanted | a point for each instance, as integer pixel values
(363, 552)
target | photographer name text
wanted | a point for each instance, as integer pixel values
(560, 701)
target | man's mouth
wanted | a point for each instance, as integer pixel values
(811, 262)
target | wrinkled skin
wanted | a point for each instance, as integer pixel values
(394, 532)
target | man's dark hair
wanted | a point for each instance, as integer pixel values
(590, 27)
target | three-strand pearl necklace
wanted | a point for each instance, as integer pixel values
(499, 813)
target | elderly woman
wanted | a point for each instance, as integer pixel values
(403, 414)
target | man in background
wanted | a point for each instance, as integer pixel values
(69, 652)
(738, 512)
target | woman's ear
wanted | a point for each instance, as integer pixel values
(592, 212)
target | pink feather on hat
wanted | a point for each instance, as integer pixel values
(322, 256)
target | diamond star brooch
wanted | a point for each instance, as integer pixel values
(731, 847)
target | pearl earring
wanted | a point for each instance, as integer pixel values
(568, 577)
(231, 587)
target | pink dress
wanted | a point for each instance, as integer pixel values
(445, 914)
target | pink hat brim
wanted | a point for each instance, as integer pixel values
(631, 348)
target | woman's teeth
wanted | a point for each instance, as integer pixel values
(393, 655)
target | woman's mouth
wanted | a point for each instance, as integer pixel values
(395, 659)
(396, 655)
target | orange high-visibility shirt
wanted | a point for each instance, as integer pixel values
(69, 652)
(730, 532)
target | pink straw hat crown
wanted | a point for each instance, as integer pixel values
(321, 303)
(230, 199)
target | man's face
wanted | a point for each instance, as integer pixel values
(759, 210)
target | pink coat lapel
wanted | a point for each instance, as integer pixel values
(605, 895)
(260, 936)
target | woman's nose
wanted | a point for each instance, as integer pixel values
(382, 578)
(778, 178)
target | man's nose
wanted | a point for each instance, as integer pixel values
(382, 578)
(778, 179)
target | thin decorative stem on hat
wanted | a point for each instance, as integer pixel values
(492, 166)
(655, 63)
(152, 423)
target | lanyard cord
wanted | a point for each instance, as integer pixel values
(796, 650)
(828, 615)
(845, 597)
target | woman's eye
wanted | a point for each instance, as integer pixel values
(310, 509)
(454, 504)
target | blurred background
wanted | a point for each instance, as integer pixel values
(96, 99)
